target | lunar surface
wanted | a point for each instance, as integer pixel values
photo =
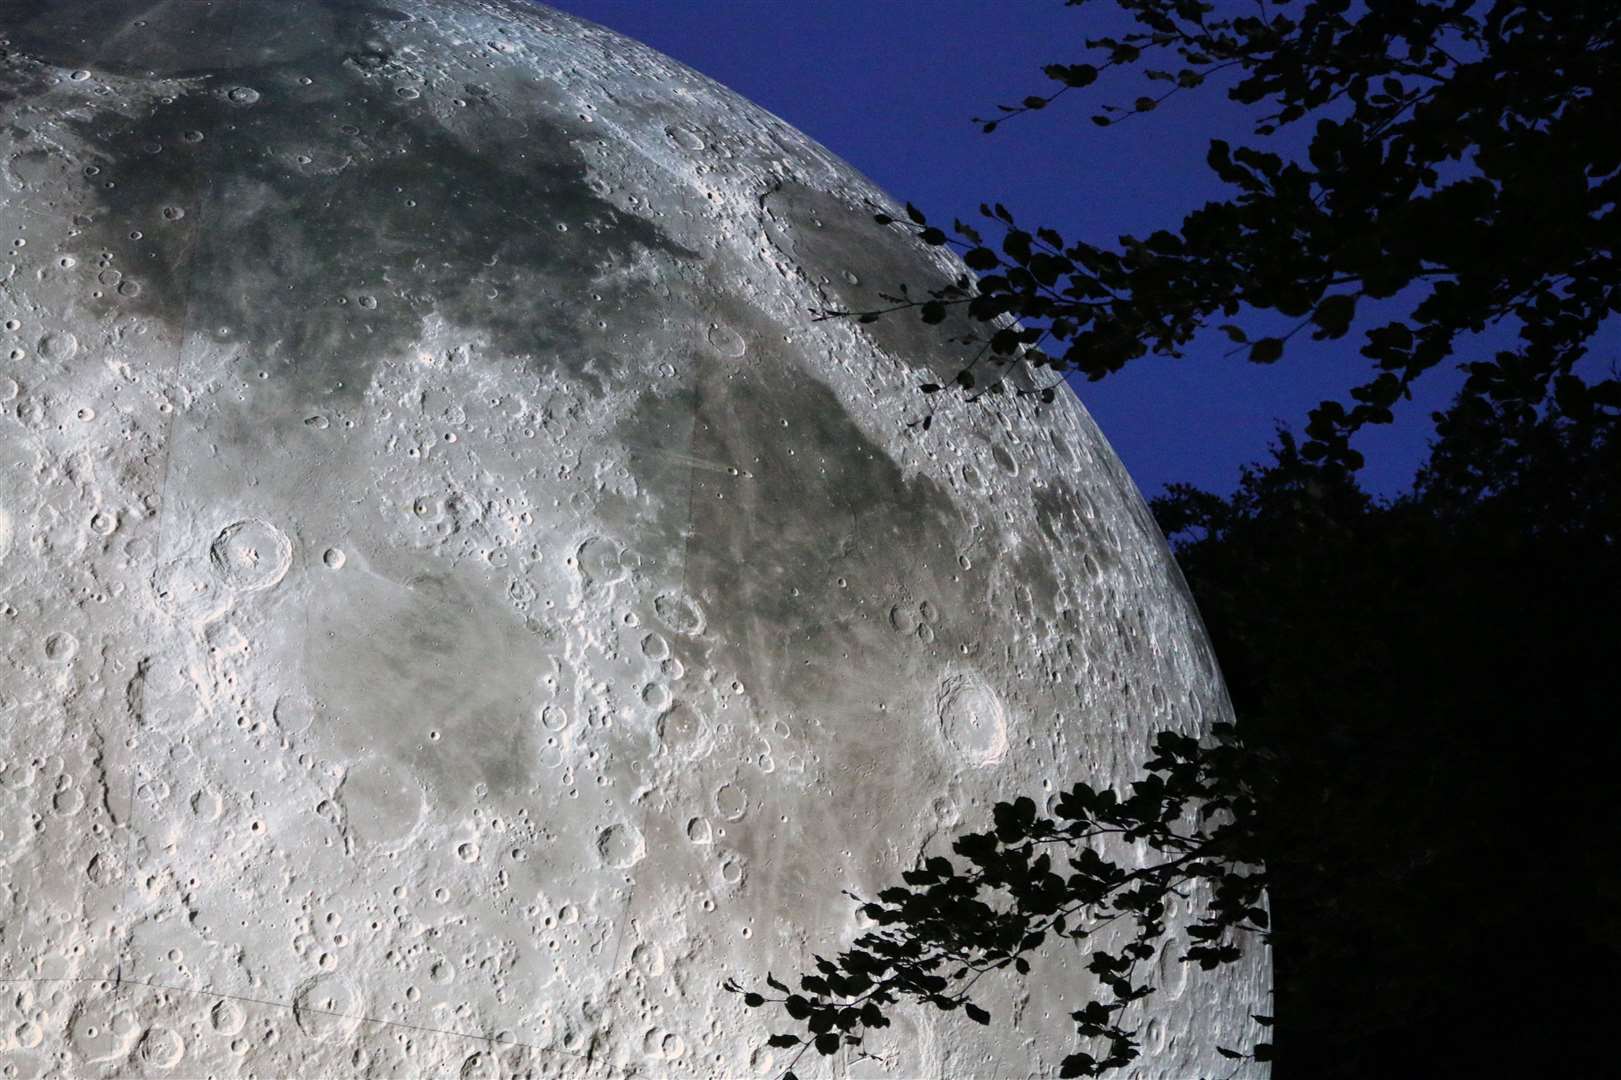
(456, 604)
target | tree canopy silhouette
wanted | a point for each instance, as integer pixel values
(1462, 174)
(1389, 661)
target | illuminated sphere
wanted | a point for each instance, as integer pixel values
(458, 605)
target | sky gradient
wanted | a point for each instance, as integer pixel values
(891, 88)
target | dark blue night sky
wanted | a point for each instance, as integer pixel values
(891, 87)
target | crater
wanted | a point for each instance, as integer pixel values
(250, 555)
(972, 721)
(327, 1008)
(621, 846)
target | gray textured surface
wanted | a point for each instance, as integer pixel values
(451, 592)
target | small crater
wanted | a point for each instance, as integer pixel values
(684, 137)
(654, 647)
(621, 846)
(684, 731)
(902, 619)
(603, 562)
(726, 341)
(226, 1017)
(972, 721)
(327, 1008)
(731, 802)
(58, 346)
(648, 958)
(160, 1048)
(680, 613)
(206, 804)
(61, 647)
(251, 555)
(294, 712)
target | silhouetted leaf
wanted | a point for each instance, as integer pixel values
(1266, 351)
(1077, 1065)
(981, 258)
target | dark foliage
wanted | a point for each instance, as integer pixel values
(1462, 172)
(1438, 675)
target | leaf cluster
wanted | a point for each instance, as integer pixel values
(1464, 167)
(1034, 879)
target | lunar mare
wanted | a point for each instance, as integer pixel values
(457, 606)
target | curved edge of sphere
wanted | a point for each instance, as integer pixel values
(459, 605)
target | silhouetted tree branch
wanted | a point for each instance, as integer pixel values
(1032, 879)
(1463, 172)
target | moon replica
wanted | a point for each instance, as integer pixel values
(457, 606)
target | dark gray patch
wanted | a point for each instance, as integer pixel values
(1056, 512)
(1068, 528)
(392, 661)
(829, 238)
(310, 201)
(21, 78)
(1033, 570)
(823, 502)
(168, 39)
